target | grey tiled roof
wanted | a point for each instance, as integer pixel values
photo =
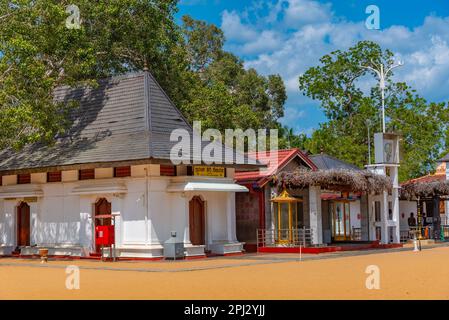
(126, 118)
(326, 162)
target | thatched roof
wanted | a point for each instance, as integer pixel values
(336, 179)
(413, 190)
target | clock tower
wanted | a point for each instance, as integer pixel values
(384, 207)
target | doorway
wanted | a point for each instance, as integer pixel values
(102, 207)
(197, 221)
(23, 225)
(341, 220)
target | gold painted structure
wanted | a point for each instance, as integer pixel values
(285, 216)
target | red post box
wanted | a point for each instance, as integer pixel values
(104, 235)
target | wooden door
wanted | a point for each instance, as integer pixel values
(341, 221)
(23, 225)
(196, 221)
(102, 207)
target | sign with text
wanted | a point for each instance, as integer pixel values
(206, 171)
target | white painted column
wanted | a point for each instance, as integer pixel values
(187, 220)
(384, 217)
(116, 210)
(395, 206)
(86, 224)
(34, 213)
(10, 222)
(230, 217)
(315, 220)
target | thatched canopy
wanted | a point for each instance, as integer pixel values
(336, 179)
(423, 190)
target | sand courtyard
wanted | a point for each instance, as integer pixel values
(401, 274)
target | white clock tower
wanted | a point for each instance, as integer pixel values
(384, 207)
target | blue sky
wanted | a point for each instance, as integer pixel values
(289, 36)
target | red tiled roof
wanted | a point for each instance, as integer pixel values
(426, 179)
(269, 158)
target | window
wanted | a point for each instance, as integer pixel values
(24, 178)
(86, 174)
(377, 211)
(167, 170)
(120, 172)
(54, 176)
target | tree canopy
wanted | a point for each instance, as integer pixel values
(39, 53)
(335, 83)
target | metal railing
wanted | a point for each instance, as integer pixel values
(405, 235)
(425, 232)
(284, 237)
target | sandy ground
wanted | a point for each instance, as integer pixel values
(403, 275)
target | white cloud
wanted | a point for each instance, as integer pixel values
(300, 12)
(234, 29)
(297, 33)
(267, 40)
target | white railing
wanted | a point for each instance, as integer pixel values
(284, 237)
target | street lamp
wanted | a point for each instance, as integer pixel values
(382, 73)
(368, 124)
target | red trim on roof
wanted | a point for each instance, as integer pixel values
(426, 179)
(283, 158)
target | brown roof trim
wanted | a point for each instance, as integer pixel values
(109, 164)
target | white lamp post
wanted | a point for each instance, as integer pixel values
(382, 75)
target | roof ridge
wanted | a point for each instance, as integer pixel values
(334, 158)
(149, 74)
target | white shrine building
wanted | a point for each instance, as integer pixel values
(115, 159)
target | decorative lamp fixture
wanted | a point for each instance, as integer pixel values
(285, 217)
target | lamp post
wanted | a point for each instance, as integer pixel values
(368, 124)
(382, 73)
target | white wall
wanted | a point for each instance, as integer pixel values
(147, 212)
(354, 208)
(406, 207)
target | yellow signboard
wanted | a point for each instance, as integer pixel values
(206, 171)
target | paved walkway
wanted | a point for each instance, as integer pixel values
(249, 259)
(403, 274)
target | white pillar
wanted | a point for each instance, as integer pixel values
(395, 206)
(34, 219)
(396, 219)
(384, 218)
(86, 223)
(187, 220)
(315, 220)
(116, 210)
(230, 217)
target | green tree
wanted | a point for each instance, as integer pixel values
(288, 139)
(251, 100)
(335, 83)
(39, 53)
